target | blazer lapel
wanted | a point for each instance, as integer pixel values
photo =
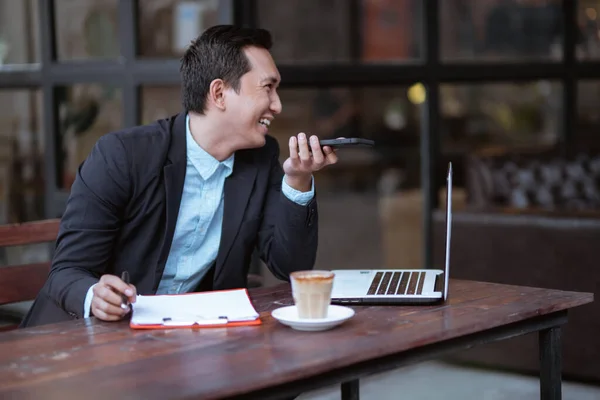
(174, 177)
(238, 187)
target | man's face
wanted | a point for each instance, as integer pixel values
(250, 111)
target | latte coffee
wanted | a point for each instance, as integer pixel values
(312, 292)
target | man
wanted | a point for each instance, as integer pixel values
(182, 203)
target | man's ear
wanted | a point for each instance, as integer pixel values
(216, 94)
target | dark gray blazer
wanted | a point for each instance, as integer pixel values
(123, 208)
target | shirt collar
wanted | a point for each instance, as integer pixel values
(205, 164)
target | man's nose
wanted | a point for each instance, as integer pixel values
(276, 104)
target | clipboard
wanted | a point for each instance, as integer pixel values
(214, 309)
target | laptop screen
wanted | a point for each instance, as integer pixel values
(448, 230)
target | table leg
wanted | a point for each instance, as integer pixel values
(350, 390)
(550, 364)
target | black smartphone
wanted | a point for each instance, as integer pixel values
(347, 142)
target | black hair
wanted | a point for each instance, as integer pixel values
(217, 54)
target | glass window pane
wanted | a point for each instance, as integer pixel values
(496, 134)
(390, 30)
(588, 29)
(87, 29)
(21, 156)
(307, 31)
(500, 30)
(588, 125)
(87, 111)
(175, 23)
(22, 189)
(500, 115)
(160, 102)
(19, 32)
(383, 182)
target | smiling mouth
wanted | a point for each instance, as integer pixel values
(265, 122)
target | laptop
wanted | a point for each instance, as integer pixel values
(396, 286)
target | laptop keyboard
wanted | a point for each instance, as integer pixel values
(394, 283)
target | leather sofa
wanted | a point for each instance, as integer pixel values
(509, 234)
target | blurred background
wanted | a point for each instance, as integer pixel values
(508, 90)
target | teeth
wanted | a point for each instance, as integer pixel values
(265, 122)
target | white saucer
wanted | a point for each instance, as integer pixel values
(335, 316)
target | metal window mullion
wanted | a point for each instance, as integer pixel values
(53, 168)
(245, 13)
(355, 33)
(569, 105)
(25, 76)
(430, 127)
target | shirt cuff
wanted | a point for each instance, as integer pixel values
(298, 197)
(87, 305)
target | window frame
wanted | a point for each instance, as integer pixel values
(130, 72)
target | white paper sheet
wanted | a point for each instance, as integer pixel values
(201, 308)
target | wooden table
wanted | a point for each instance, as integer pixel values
(91, 359)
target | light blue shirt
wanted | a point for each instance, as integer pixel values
(198, 229)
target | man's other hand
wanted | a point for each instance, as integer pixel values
(306, 157)
(106, 303)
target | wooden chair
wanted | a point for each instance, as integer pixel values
(19, 283)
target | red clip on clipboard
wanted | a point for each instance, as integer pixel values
(216, 309)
